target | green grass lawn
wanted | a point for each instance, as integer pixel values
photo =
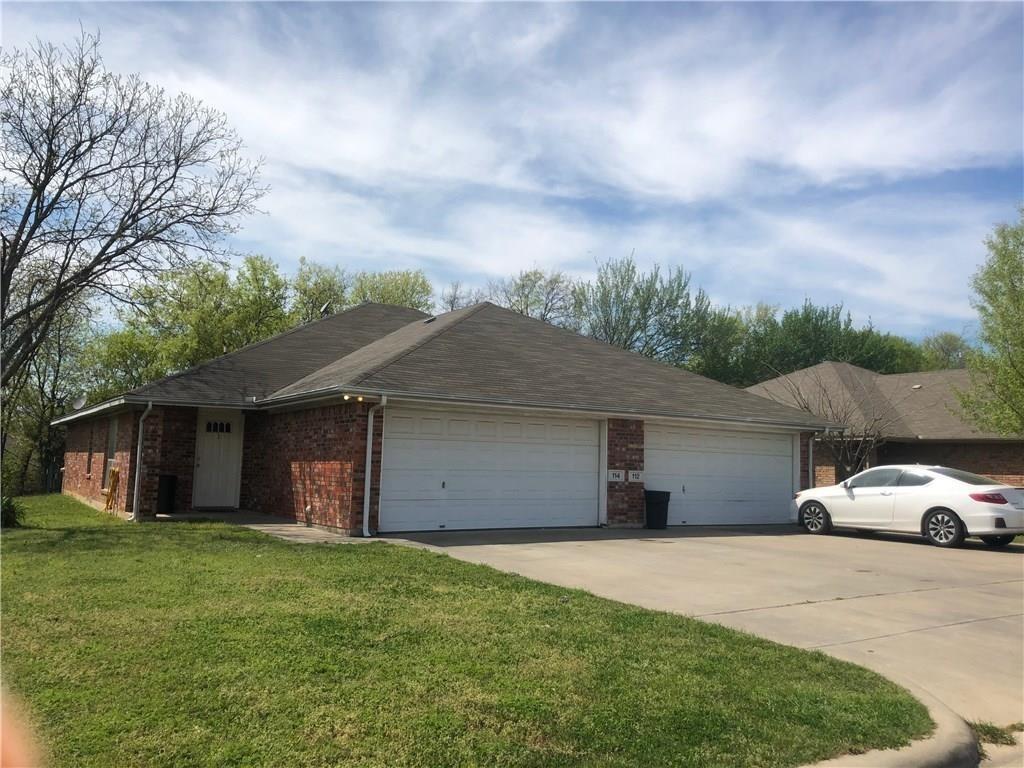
(206, 644)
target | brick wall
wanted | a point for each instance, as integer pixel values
(309, 465)
(84, 479)
(1003, 461)
(626, 452)
(805, 456)
(168, 448)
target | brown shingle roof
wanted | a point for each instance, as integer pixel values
(264, 367)
(908, 406)
(487, 354)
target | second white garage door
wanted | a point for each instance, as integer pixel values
(730, 478)
(452, 470)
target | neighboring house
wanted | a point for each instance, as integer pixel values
(482, 418)
(915, 416)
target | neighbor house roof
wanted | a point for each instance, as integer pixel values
(904, 406)
(484, 354)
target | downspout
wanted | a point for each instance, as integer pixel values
(368, 481)
(138, 465)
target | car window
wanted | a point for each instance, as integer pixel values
(964, 477)
(913, 478)
(876, 478)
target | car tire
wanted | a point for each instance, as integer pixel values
(998, 541)
(814, 518)
(943, 528)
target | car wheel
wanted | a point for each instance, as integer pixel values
(815, 518)
(998, 541)
(944, 529)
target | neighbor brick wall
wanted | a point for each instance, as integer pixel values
(1002, 461)
(626, 452)
(312, 458)
(90, 435)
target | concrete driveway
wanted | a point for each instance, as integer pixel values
(948, 621)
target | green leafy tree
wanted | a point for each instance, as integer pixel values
(996, 399)
(53, 378)
(406, 288)
(547, 296)
(945, 350)
(652, 313)
(776, 344)
(122, 359)
(186, 318)
(317, 290)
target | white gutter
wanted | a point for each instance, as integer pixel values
(92, 410)
(138, 465)
(337, 390)
(368, 479)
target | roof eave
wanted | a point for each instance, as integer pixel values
(339, 390)
(96, 410)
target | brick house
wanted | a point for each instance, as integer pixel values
(478, 418)
(918, 418)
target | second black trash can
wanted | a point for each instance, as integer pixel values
(656, 508)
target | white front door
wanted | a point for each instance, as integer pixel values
(218, 466)
(452, 469)
(720, 477)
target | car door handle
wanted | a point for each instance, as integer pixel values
(886, 493)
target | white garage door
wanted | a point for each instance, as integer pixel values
(451, 470)
(720, 477)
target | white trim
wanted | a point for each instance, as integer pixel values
(596, 515)
(373, 395)
(589, 413)
(93, 410)
(602, 474)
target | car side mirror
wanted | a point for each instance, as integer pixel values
(845, 483)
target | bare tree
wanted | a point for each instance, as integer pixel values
(547, 296)
(458, 296)
(848, 399)
(106, 180)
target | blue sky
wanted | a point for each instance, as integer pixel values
(856, 153)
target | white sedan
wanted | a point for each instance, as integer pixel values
(943, 505)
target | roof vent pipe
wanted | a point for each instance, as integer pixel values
(135, 516)
(368, 478)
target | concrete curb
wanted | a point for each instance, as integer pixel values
(951, 744)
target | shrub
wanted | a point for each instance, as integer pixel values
(11, 513)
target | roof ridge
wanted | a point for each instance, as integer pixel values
(261, 342)
(469, 312)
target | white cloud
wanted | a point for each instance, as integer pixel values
(755, 144)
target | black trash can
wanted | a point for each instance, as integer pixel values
(656, 508)
(165, 494)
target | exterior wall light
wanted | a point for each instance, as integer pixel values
(346, 397)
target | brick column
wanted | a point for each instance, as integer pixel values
(625, 452)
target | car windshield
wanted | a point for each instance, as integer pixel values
(964, 477)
